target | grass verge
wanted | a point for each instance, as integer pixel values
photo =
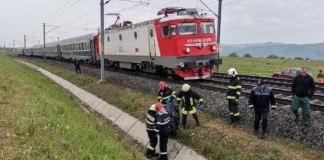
(214, 139)
(39, 121)
(266, 67)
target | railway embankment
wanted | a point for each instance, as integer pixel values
(40, 121)
(215, 139)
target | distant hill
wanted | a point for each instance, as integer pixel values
(312, 51)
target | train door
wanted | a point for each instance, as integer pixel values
(151, 43)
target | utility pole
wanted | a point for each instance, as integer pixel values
(25, 42)
(58, 39)
(44, 39)
(13, 43)
(219, 17)
(102, 15)
(4, 48)
(219, 27)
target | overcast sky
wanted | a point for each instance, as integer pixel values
(243, 21)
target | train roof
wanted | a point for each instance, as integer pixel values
(84, 38)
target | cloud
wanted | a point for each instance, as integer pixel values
(243, 21)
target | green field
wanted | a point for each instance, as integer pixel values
(266, 67)
(215, 139)
(40, 121)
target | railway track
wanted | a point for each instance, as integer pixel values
(267, 79)
(210, 85)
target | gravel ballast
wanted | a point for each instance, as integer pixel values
(281, 121)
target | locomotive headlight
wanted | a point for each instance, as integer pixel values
(182, 64)
(188, 50)
(214, 48)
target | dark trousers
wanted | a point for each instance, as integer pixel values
(258, 114)
(153, 140)
(77, 68)
(164, 137)
(232, 105)
(184, 119)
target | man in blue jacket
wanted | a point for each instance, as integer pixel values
(259, 100)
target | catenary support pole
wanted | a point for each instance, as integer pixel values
(44, 40)
(102, 66)
(219, 18)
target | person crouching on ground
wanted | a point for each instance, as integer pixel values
(187, 97)
(259, 100)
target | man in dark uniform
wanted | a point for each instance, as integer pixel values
(150, 128)
(165, 94)
(259, 100)
(77, 66)
(302, 88)
(163, 128)
(187, 96)
(233, 94)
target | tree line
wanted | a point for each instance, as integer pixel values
(272, 56)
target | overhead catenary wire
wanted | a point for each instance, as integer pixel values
(65, 10)
(59, 10)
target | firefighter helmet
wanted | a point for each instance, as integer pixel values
(158, 106)
(162, 84)
(152, 108)
(232, 72)
(185, 87)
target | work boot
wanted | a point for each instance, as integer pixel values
(231, 119)
(296, 119)
(163, 157)
(256, 132)
(149, 153)
(262, 136)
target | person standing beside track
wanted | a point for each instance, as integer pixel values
(259, 100)
(150, 129)
(77, 66)
(163, 127)
(232, 95)
(320, 77)
(302, 89)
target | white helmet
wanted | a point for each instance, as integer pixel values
(232, 72)
(185, 87)
(152, 108)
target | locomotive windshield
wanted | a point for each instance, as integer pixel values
(207, 28)
(187, 28)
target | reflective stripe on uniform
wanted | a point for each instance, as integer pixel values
(150, 129)
(237, 114)
(166, 97)
(150, 147)
(191, 102)
(194, 110)
(179, 99)
(238, 86)
(231, 113)
(148, 122)
(163, 152)
(201, 100)
(230, 97)
(231, 87)
(238, 93)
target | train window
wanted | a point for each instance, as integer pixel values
(165, 31)
(82, 46)
(120, 37)
(135, 35)
(173, 30)
(187, 28)
(207, 28)
(108, 38)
